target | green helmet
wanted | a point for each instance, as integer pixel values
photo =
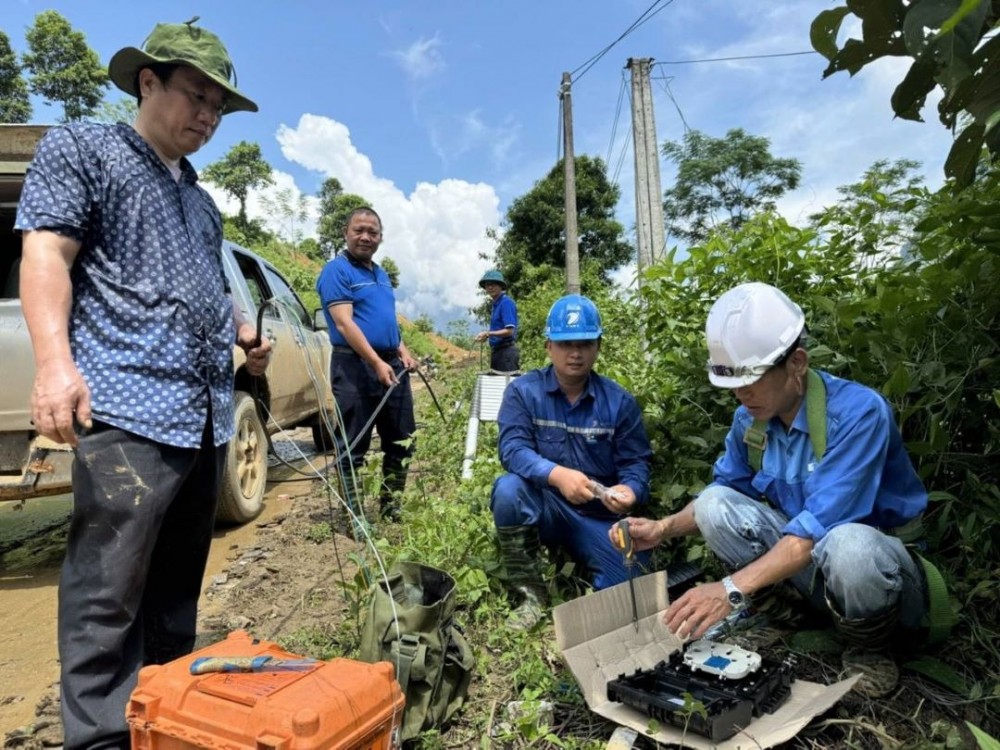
(493, 276)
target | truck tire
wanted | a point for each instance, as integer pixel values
(244, 480)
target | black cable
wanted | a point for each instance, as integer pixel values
(738, 57)
(614, 127)
(647, 15)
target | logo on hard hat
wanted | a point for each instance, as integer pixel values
(573, 318)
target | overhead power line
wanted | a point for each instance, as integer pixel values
(736, 57)
(651, 11)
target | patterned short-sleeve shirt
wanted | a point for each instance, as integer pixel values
(151, 327)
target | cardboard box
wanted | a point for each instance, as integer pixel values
(599, 642)
(339, 704)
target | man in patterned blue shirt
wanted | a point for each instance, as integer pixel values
(132, 326)
(369, 358)
(781, 508)
(562, 428)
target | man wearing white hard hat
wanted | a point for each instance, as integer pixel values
(812, 486)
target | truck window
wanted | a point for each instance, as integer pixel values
(281, 289)
(250, 270)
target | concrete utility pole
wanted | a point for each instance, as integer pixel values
(569, 172)
(648, 194)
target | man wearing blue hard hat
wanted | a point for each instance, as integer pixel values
(502, 334)
(566, 434)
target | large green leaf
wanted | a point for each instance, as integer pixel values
(824, 30)
(967, 7)
(911, 94)
(984, 740)
(964, 155)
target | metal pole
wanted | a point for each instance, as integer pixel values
(569, 171)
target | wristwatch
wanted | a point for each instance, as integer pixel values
(737, 600)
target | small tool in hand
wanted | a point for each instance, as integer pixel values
(623, 540)
(601, 492)
(209, 664)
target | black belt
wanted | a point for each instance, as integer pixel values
(386, 355)
(503, 345)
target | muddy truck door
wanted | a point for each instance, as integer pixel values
(30, 465)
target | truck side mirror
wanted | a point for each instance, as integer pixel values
(319, 320)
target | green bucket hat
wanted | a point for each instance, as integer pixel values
(181, 44)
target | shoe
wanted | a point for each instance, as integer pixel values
(878, 670)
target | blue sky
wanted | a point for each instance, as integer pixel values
(441, 112)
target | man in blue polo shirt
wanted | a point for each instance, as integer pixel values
(502, 334)
(781, 508)
(562, 428)
(368, 358)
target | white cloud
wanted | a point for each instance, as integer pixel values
(422, 59)
(435, 234)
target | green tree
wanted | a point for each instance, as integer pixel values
(723, 182)
(334, 207)
(241, 170)
(63, 67)
(535, 227)
(311, 249)
(459, 332)
(123, 110)
(391, 270)
(945, 40)
(423, 323)
(289, 211)
(877, 214)
(14, 103)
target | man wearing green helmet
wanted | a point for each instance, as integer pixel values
(502, 335)
(132, 326)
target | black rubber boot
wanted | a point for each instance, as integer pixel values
(520, 549)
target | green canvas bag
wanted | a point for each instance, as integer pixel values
(410, 624)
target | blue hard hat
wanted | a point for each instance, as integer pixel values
(573, 318)
(495, 276)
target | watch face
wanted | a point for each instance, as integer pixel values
(735, 598)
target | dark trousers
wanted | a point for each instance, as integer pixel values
(505, 358)
(358, 393)
(143, 514)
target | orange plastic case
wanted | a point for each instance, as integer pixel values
(338, 704)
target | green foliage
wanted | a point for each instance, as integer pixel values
(123, 110)
(334, 207)
(241, 170)
(391, 270)
(945, 40)
(424, 324)
(535, 236)
(15, 106)
(460, 333)
(290, 212)
(723, 182)
(63, 67)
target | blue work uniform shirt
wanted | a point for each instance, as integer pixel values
(151, 326)
(346, 280)
(865, 475)
(601, 434)
(503, 315)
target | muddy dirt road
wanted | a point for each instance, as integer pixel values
(32, 541)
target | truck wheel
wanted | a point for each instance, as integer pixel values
(245, 477)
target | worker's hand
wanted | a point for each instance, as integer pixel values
(647, 533)
(409, 363)
(385, 374)
(482, 336)
(619, 499)
(259, 356)
(59, 396)
(697, 610)
(572, 484)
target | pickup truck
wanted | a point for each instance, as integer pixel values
(294, 391)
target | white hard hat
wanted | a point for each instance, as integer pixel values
(748, 329)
